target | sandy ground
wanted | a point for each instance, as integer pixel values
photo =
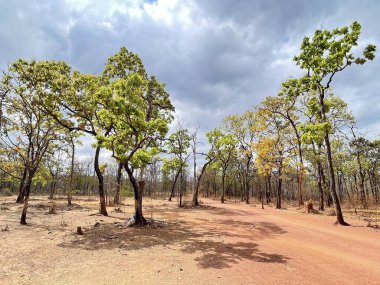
(215, 244)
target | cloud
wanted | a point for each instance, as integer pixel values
(216, 57)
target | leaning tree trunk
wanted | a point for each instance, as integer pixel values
(103, 208)
(138, 188)
(20, 197)
(28, 185)
(174, 183)
(196, 192)
(338, 210)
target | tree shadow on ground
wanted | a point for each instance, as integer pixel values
(209, 245)
(215, 254)
(204, 208)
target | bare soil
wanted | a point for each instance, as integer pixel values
(230, 243)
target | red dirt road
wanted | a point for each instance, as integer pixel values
(216, 244)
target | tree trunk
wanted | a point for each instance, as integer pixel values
(103, 208)
(320, 187)
(117, 198)
(363, 199)
(196, 192)
(269, 190)
(299, 190)
(69, 191)
(247, 182)
(28, 185)
(52, 187)
(180, 189)
(223, 187)
(138, 189)
(300, 171)
(279, 187)
(20, 197)
(174, 183)
(338, 210)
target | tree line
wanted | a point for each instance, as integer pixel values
(302, 142)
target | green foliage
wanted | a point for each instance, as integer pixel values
(223, 148)
(329, 52)
(314, 132)
(126, 191)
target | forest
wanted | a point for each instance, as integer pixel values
(300, 148)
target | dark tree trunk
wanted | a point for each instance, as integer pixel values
(269, 190)
(103, 208)
(223, 186)
(363, 199)
(299, 186)
(196, 192)
(20, 197)
(242, 187)
(69, 191)
(181, 189)
(174, 184)
(117, 198)
(338, 210)
(300, 171)
(247, 183)
(138, 189)
(28, 185)
(320, 187)
(279, 187)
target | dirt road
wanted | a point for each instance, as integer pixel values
(215, 244)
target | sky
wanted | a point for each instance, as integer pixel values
(217, 57)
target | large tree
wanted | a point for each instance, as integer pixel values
(139, 109)
(29, 132)
(323, 57)
(77, 109)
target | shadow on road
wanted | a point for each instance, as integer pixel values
(212, 245)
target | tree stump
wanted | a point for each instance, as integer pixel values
(79, 231)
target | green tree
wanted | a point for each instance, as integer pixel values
(77, 109)
(241, 127)
(139, 110)
(223, 148)
(178, 145)
(29, 132)
(324, 56)
(275, 146)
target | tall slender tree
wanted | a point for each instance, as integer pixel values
(323, 57)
